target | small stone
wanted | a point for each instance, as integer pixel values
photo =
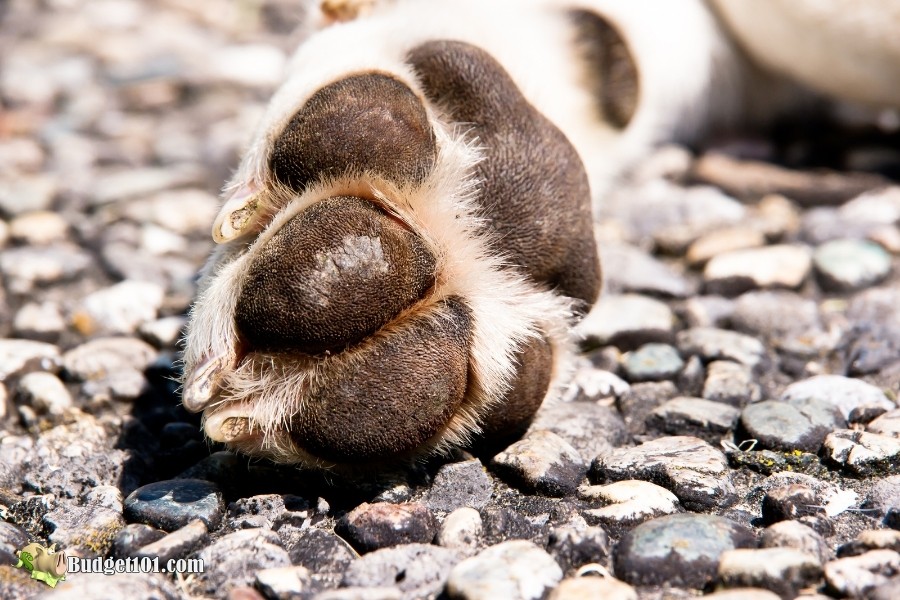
(417, 570)
(503, 524)
(627, 321)
(705, 419)
(514, 570)
(177, 544)
(39, 321)
(133, 537)
(590, 427)
(573, 547)
(652, 362)
(12, 539)
(887, 424)
(31, 266)
(543, 463)
(461, 531)
(885, 591)
(640, 401)
(856, 575)
(172, 504)
(884, 500)
(45, 393)
(694, 471)
(163, 333)
(781, 426)
(38, 228)
(326, 555)
(24, 194)
(121, 308)
(861, 453)
(235, 559)
(17, 356)
(678, 550)
(845, 393)
(871, 539)
(789, 502)
(100, 358)
(123, 585)
(784, 571)
(631, 270)
(730, 383)
(721, 241)
(793, 534)
(627, 503)
(720, 344)
(693, 375)
(589, 588)
(753, 314)
(87, 531)
(283, 583)
(848, 265)
(735, 272)
(708, 311)
(356, 593)
(372, 526)
(460, 484)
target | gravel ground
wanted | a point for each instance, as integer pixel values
(733, 423)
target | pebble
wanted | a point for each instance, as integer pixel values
(461, 531)
(372, 526)
(164, 332)
(784, 571)
(196, 209)
(694, 471)
(589, 588)
(45, 393)
(848, 265)
(753, 312)
(177, 544)
(886, 591)
(735, 272)
(789, 502)
(133, 537)
(502, 524)
(721, 241)
(29, 266)
(123, 585)
(543, 463)
(690, 380)
(17, 356)
(794, 534)
(884, 499)
(234, 560)
(627, 503)
(590, 427)
(856, 575)
(748, 594)
(629, 269)
(721, 344)
(678, 550)
(102, 357)
(708, 311)
(38, 228)
(514, 570)
(26, 193)
(284, 583)
(862, 454)
(572, 547)
(119, 309)
(325, 554)
(627, 321)
(777, 425)
(704, 419)
(172, 504)
(638, 403)
(88, 530)
(652, 362)
(845, 393)
(43, 321)
(460, 484)
(417, 570)
(356, 593)
(730, 383)
(871, 539)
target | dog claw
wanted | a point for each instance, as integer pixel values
(228, 425)
(237, 216)
(203, 384)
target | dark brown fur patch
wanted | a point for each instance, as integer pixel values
(396, 393)
(369, 122)
(534, 191)
(611, 72)
(332, 275)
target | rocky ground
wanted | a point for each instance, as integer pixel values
(733, 422)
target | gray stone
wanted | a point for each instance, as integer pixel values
(543, 463)
(372, 526)
(885, 591)
(461, 531)
(731, 383)
(678, 550)
(589, 588)
(38, 228)
(627, 503)
(514, 570)
(631, 270)
(781, 426)
(640, 401)
(356, 593)
(235, 559)
(720, 344)
(133, 537)
(284, 583)
(460, 484)
(325, 554)
(87, 530)
(652, 362)
(753, 313)
(627, 321)
(845, 393)
(102, 357)
(123, 585)
(24, 194)
(856, 575)
(848, 265)
(884, 496)
(590, 427)
(45, 393)
(42, 321)
(17, 356)
(571, 547)
(12, 539)
(29, 266)
(724, 240)
(172, 504)
(705, 419)
(708, 311)
(784, 571)
(121, 308)
(738, 271)
(694, 471)
(177, 544)
(871, 539)
(862, 453)
(417, 570)
(164, 332)
(787, 502)
(793, 534)
(690, 380)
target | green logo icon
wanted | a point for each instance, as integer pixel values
(44, 564)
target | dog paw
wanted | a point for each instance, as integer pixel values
(401, 258)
